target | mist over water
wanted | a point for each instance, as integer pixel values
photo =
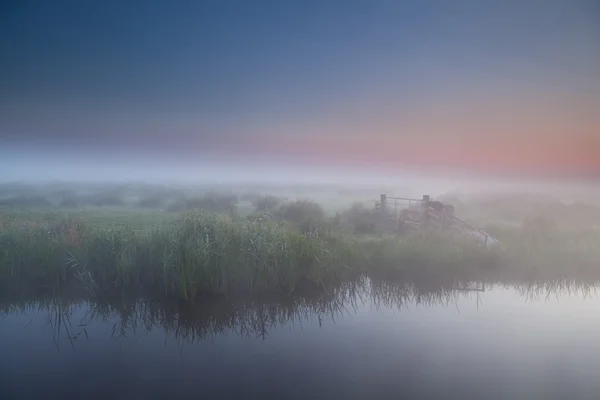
(209, 199)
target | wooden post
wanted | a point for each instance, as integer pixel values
(425, 210)
(383, 201)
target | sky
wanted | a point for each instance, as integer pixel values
(498, 87)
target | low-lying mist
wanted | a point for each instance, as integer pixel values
(184, 241)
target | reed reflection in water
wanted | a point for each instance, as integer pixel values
(368, 338)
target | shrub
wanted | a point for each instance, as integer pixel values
(359, 219)
(302, 213)
(266, 203)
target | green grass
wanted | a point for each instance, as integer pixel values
(183, 256)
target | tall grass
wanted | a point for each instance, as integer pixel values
(186, 255)
(198, 253)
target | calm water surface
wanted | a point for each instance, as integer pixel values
(504, 343)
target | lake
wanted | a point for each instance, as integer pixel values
(376, 341)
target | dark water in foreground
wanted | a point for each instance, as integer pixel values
(504, 343)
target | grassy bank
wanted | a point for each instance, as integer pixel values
(185, 255)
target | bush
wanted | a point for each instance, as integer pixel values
(302, 213)
(359, 219)
(266, 203)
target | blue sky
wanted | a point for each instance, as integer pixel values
(306, 79)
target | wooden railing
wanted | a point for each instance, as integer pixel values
(392, 205)
(487, 238)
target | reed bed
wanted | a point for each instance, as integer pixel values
(187, 255)
(195, 254)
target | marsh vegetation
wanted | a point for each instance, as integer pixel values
(258, 286)
(214, 241)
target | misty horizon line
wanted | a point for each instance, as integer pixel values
(17, 159)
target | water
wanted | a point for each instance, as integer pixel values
(385, 342)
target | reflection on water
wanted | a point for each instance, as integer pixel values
(374, 339)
